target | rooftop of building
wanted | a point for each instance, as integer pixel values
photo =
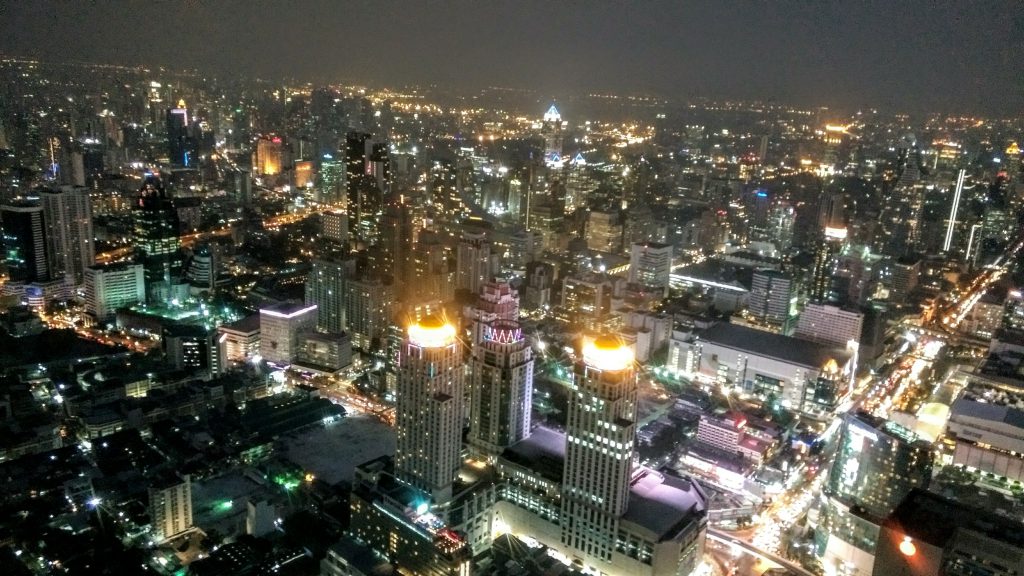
(663, 504)
(1003, 414)
(246, 325)
(933, 519)
(770, 345)
(362, 558)
(543, 451)
(286, 309)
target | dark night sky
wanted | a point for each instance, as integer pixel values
(898, 54)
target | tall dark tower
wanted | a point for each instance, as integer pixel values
(24, 242)
(156, 233)
(180, 148)
(361, 188)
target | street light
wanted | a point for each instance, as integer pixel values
(907, 547)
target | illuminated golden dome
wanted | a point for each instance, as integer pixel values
(431, 332)
(608, 353)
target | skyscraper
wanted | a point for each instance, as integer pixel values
(501, 378)
(876, 465)
(600, 451)
(497, 301)
(650, 265)
(771, 294)
(552, 132)
(156, 233)
(325, 287)
(473, 259)
(179, 144)
(429, 408)
(24, 242)
(68, 215)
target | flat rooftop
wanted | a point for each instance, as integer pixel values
(543, 451)
(664, 504)
(769, 345)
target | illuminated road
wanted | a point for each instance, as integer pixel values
(731, 540)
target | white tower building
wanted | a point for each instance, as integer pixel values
(600, 452)
(429, 408)
(502, 388)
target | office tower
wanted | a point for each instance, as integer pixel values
(782, 218)
(501, 382)
(358, 148)
(378, 168)
(954, 208)
(280, 327)
(432, 277)
(114, 286)
(201, 269)
(823, 272)
(473, 262)
(269, 159)
(771, 296)
(600, 452)
(156, 233)
(429, 408)
(24, 242)
(397, 242)
(906, 272)
(827, 324)
(604, 232)
(179, 145)
(67, 212)
(190, 347)
(552, 131)
(876, 465)
(325, 288)
(760, 215)
(170, 506)
(650, 266)
(331, 180)
(368, 309)
(240, 340)
(334, 226)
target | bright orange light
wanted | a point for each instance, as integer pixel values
(431, 332)
(607, 353)
(907, 547)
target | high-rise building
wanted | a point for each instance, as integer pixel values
(180, 147)
(334, 226)
(827, 324)
(821, 289)
(239, 341)
(771, 297)
(473, 262)
(24, 242)
(497, 301)
(876, 465)
(600, 450)
(280, 327)
(331, 180)
(156, 233)
(269, 156)
(170, 506)
(552, 132)
(369, 305)
(397, 241)
(501, 379)
(429, 408)
(650, 265)
(114, 286)
(68, 215)
(325, 288)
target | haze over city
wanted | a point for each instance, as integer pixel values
(325, 288)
